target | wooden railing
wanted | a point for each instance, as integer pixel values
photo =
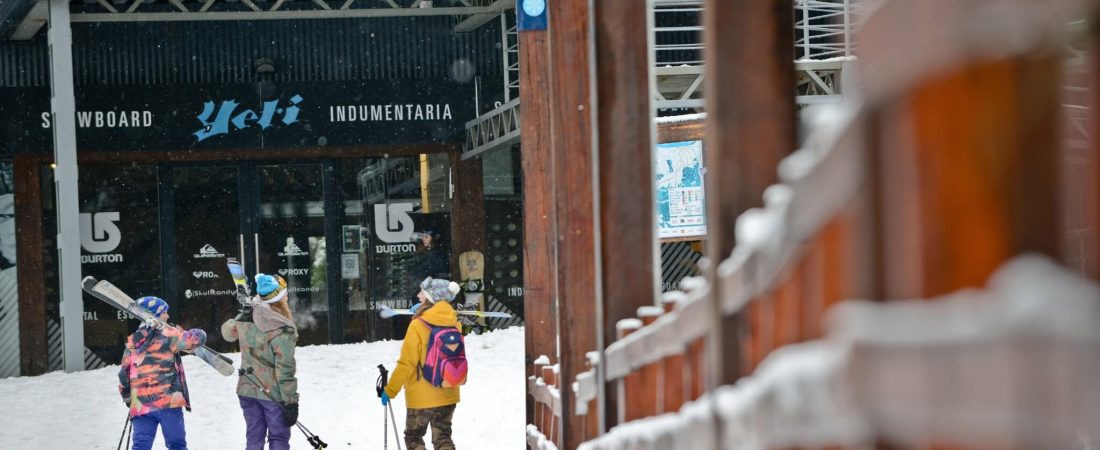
(934, 182)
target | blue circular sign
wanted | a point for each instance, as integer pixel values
(534, 7)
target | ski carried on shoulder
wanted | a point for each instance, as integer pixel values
(387, 312)
(240, 280)
(112, 295)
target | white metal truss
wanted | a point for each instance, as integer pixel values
(820, 81)
(679, 68)
(496, 128)
(509, 39)
(824, 28)
(473, 13)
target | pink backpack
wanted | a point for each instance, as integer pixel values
(445, 362)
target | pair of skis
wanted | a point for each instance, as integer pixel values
(112, 295)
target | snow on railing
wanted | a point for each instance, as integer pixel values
(537, 441)
(1015, 360)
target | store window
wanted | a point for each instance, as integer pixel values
(396, 226)
(120, 242)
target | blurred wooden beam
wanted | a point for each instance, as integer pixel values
(970, 172)
(629, 261)
(750, 127)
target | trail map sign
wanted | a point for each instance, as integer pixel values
(681, 205)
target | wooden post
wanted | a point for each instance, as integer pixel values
(629, 247)
(979, 133)
(673, 373)
(787, 322)
(644, 386)
(750, 127)
(539, 245)
(575, 177)
(1091, 168)
(33, 343)
(630, 382)
(969, 168)
(468, 211)
(696, 355)
(553, 422)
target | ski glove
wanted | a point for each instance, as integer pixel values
(195, 337)
(152, 323)
(385, 399)
(413, 308)
(290, 414)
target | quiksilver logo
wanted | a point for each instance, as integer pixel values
(208, 251)
(292, 249)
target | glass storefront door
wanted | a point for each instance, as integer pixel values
(269, 216)
(208, 226)
(289, 235)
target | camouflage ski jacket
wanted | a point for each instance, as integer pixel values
(270, 355)
(151, 374)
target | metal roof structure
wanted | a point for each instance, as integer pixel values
(22, 19)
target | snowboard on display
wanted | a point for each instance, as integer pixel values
(387, 313)
(114, 296)
(471, 269)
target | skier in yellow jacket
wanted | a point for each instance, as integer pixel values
(426, 404)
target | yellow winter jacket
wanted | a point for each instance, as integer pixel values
(419, 393)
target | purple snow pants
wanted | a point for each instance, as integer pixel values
(264, 419)
(171, 425)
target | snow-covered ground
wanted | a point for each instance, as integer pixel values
(84, 411)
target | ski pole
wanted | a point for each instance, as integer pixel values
(313, 439)
(125, 426)
(380, 387)
(393, 420)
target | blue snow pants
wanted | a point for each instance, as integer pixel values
(171, 425)
(263, 420)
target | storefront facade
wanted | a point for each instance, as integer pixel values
(312, 149)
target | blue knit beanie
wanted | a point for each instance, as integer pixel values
(270, 287)
(155, 305)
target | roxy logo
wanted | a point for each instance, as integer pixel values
(392, 222)
(208, 251)
(204, 274)
(99, 234)
(293, 272)
(225, 118)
